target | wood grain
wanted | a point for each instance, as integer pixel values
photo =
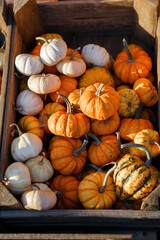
(3, 16)
(157, 51)
(28, 19)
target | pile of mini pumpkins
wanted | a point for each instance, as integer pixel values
(75, 110)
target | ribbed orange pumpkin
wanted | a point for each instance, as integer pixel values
(84, 173)
(76, 53)
(72, 125)
(134, 179)
(67, 192)
(146, 91)
(68, 84)
(129, 127)
(151, 78)
(129, 103)
(148, 138)
(119, 88)
(134, 205)
(47, 111)
(148, 113)
(68, 155)
(31, 124)
(105, 127)
(97, 190)
(74, 97)
(103, 150)
(99, 101)
(96, 75)
(132, 64)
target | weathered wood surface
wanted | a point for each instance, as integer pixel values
(28, 19)
(60, 236)
(145, 20)
(7, 200)
(157, 53)
(3, 16)
(7, 52)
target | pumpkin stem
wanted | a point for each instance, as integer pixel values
(119, 143)
(18, 76)
(44, 97)
(80, 92)
(69, 108)
(72, 56)
(43, 39)
(17, 109)
(77, 152)
(5, 181)
(139, 111)
(102, 189)
(148, 161)
(34, 185)
(41, 121)
(130, 58)
(58, 194)
(111, 59)
(98, 93)
(98, 142)
(19, 131)
(153, 142)
(43, 157)
(91, 165)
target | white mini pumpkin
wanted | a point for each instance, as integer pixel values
(52, 51)
(45, 83)
(40, 168)
(26, 146)
(28, 64)
(40, 197)
(95, 55)
(17, 177)
(29, 103)
(71, 66)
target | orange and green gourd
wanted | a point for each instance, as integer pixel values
(96, 75)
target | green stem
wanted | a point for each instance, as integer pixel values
(119, 143)
(43, 157)
(98, 142)
(98, 93)
(153, 142)
(77, 152)
(69, 108)
(102, 189)
(91, 165)
(43, 39)
(72, 56)
(130, 58)
(148, 161)
(19, 131)
(139, 111)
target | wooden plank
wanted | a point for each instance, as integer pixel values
(7, 200)
(28, 20)
(5, 70)
(145, 20)
(152, 200)
(3, 16)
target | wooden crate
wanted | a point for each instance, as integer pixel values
(79, 22)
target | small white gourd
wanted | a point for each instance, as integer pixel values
(26, 146)
(71, 66)
(40, 168)
(28, 64)
(17, 177)
(40, 197)
(52, 51)
(95, 55)
(45, 83)
(29, 103)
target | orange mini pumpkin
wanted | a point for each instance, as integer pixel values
(74, 97)
(103, 150)
(68, 84)
(48, 36)
(66, 188)
(97, 190)
(99, 101)
(76, 53)
(68, 155)
(132, 64)
(105, 127)
(129, 127)
(31, 124)
(121, 87)
(72, 125)
(146, 91)
(47, 111)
